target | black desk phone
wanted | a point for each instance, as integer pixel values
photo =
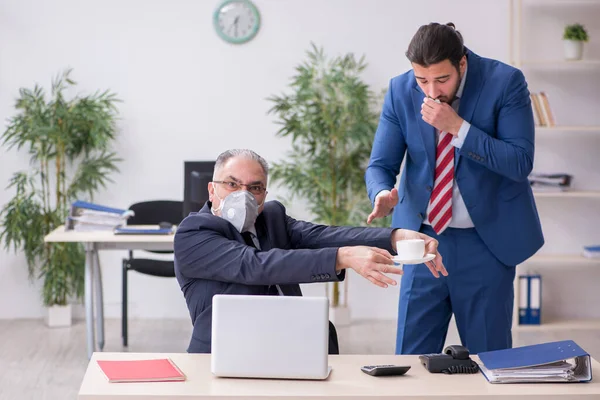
(454, 360)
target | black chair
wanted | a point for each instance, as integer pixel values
(334, 346)
(149, 213)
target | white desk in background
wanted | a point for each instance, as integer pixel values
(345, 382)
(94, 242)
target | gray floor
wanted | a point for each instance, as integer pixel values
(37, 362)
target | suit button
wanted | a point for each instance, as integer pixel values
(313, 277)
(482, 159)
(420, 215)
(327, 276)
(429, 188)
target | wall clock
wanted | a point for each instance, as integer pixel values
(236, 21)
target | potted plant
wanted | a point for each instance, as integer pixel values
(574, 37)
(68, 143)
(331, 116)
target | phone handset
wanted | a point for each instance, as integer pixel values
(454, 360)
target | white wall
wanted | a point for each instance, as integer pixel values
(187, 95)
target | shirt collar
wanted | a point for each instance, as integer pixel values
(252, 230)
(461, 87)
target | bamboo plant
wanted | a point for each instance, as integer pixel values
(69, 146)
(331, 116)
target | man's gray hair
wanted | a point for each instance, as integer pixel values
(244, 153)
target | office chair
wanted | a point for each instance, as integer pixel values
(149, 213)
(334, 346)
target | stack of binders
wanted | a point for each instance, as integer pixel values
(591, 251)
(85, 216)
(550, 182)
(530, 299)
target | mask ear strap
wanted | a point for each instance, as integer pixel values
(214, 210)
(215, 192)
(264, 200)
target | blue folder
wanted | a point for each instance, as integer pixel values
(535, 299)
(524, 310)
(562, 361)
(96, 207)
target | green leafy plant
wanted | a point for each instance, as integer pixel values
(575, 32)
(68, 142)
(331, 116)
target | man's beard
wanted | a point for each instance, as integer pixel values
(445, 99)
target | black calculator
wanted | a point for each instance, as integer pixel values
(385, 370)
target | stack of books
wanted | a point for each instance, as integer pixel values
(550, 182)
(542, 113)
(85, 216)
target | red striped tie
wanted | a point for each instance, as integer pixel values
(440, 202)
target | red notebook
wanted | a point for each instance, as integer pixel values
(160, 370)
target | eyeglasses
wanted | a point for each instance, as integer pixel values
(234, 186)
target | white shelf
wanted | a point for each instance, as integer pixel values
(566, 3)
(568, 324)
(549, 68)
(590, 194)
(559, 64)
(568, 128)
(563, 259)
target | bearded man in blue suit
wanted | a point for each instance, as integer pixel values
(463, 125)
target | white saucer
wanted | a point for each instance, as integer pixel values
(425, 259)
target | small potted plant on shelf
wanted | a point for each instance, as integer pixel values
(574, 37)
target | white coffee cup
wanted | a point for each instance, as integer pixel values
(410, 249)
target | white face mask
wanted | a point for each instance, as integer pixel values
(239, 208)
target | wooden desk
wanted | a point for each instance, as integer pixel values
(103, 240)
(345, 382)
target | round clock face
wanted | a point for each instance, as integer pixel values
(237, 21)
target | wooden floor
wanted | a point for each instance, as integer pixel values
(39, 363)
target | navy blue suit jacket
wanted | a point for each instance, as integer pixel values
(211, 258)
(492, 165)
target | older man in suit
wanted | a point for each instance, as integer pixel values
(463, 124)
(240, 244)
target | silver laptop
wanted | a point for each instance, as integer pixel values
(270, 337)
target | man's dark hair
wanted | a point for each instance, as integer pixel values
(435, 43)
